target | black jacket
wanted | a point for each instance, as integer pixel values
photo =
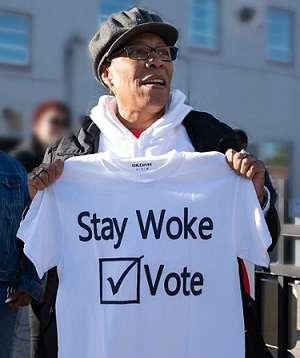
(206, 134)
(29, 153)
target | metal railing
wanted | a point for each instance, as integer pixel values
(284, 270)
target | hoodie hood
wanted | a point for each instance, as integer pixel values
(166, 134)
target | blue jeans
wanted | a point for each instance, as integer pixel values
(35, 330)
(9, 320)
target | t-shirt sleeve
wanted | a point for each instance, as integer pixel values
(250, 230)
(42, 232)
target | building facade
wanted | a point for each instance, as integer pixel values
(238, 60)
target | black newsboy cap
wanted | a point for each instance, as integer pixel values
(120, 27)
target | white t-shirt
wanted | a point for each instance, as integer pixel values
(146, 251)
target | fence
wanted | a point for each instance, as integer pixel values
(284, 270)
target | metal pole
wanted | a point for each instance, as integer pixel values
(258, 298)
(282, 317)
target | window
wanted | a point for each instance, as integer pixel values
(108, 7)
(14, 39)
(279, 35)
(204, 25)
(277, 159)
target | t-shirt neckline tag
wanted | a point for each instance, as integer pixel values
(142, 169)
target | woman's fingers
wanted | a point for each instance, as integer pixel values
(43, 176)
(248, 167)
(59, 167)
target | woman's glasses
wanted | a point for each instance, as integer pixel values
(142, 52)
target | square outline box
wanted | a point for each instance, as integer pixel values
(138, 280)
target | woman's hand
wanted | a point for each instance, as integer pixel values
(43, 176)
(250, 168)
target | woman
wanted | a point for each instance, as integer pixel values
(132, 56)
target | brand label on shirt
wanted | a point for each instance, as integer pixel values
(141, 166)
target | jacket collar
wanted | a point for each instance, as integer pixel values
(85, 140)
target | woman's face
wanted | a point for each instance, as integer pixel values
(127, 78)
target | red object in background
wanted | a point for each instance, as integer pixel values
(245, 278)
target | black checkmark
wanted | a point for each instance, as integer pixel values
(115, 287)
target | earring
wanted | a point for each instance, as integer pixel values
(111, 91)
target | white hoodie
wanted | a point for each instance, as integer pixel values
(166, 134)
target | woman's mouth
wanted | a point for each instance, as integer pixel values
(158, 83)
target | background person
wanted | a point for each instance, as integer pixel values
(51, 119)
(19, 282)
(132, 56)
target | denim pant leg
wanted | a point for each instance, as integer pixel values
(35, 333)
(9, 320)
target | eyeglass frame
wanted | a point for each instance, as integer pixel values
(125, 48)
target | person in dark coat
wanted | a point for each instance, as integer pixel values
(19, 282)
(50, 119)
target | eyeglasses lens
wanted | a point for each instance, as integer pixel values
(141, 52)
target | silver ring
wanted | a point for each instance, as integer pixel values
(38, 172)
(246, 153)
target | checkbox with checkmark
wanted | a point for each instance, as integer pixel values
(120, 280)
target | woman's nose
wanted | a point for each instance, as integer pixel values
(154, 61)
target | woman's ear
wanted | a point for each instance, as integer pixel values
(106, 75)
